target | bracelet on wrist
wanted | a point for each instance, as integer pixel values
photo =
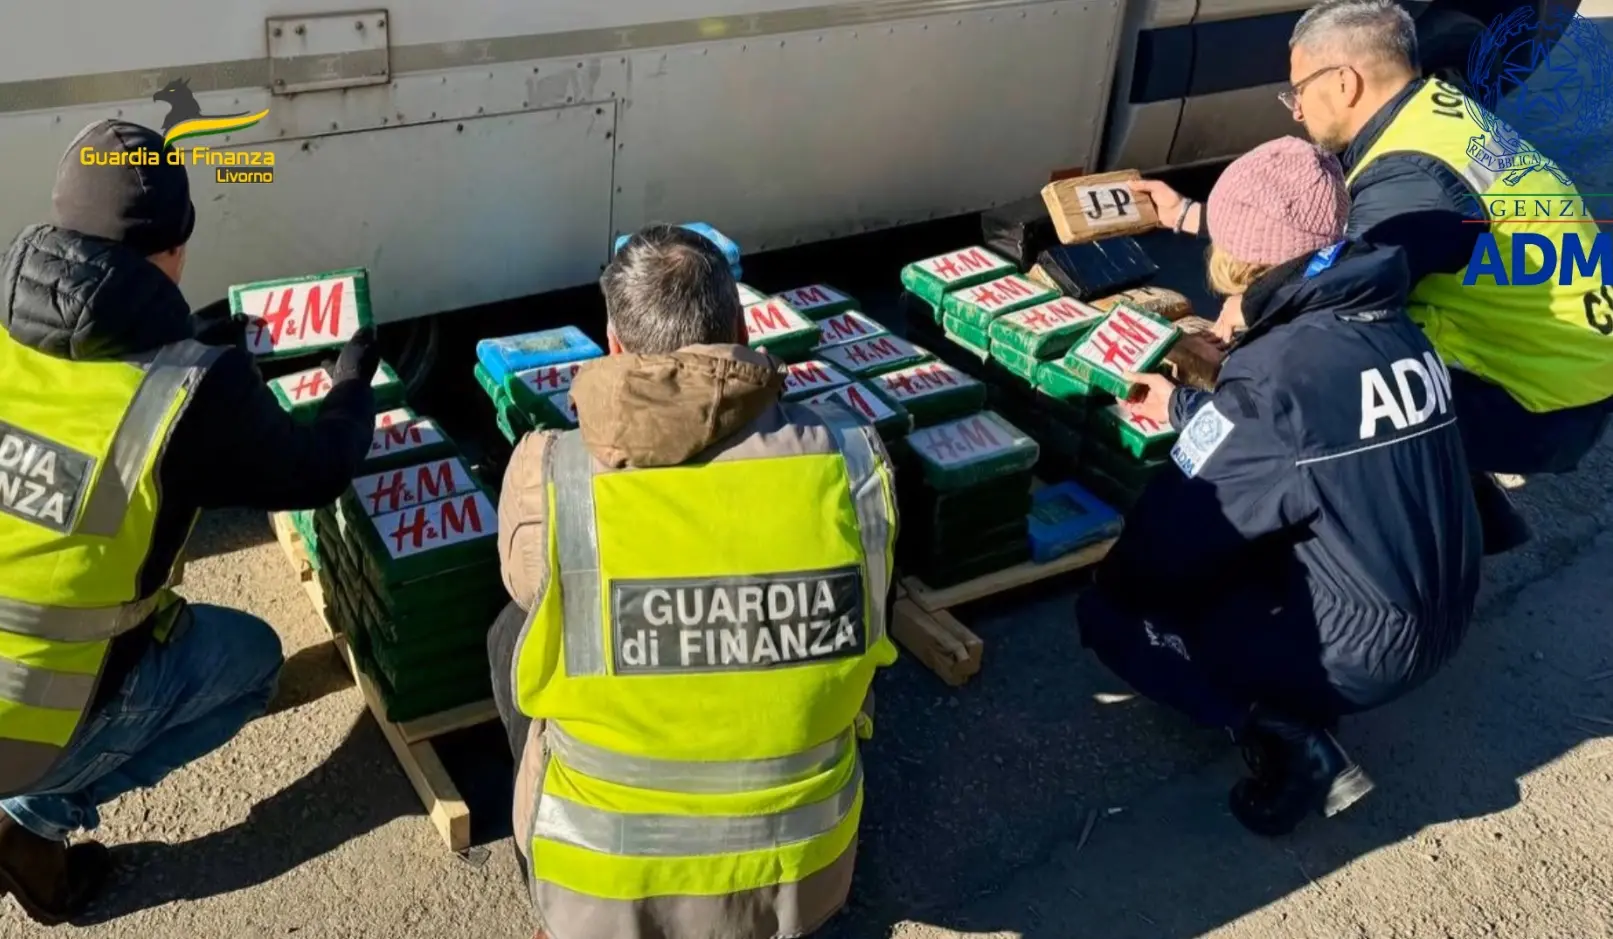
(1181, 218)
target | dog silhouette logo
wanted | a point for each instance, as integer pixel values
(185, 118)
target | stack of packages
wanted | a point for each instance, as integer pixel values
(411, 574)
(528, 378)
(304, 317)
(846, 358)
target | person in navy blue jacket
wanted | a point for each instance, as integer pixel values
(1316, 550)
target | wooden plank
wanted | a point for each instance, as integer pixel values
(944, 645)
(1020, 575)
(446, 722)
(425, 772)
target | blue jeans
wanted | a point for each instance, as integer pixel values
(184, 699)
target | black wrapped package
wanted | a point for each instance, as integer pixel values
(1019, 231)
(1097, 268)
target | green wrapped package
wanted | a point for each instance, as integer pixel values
(296, 316)
(865, 358)
(1017, 363)
(981, 304)
(429, 539)
(926, 511)
(534, 389)
(1137, 435)
(818, 301)
(781, 329)
(749, 296)
(968, 333)
(1046, 330)
(847, 326)
(947, 544)
(402, 437)
(301, 392)
(933, 278)
(490, 386)
(1121, 465)
(813, 377)
(1057, 380)
(933, 392)
(395, 490)
(961, 569)
(1130, 339)
(889, 419)
(971, 450)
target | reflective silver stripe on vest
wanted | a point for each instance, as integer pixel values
(696, 777)
(636, 835)
(868, 496)
(175, 368)
(42, 688)
(577, 540)
(65, 624)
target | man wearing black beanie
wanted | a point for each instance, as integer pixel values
(122, 416)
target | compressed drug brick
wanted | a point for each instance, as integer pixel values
(1122, 465)
(952, 542)
(933, 278)
(300, 392)
(1065, 518)
(1017, 363)
(749, 296)
(512, 425)
(969, 333)
(1128, 340)
(781, 329)
(1039, 274)
(1140, 436)
(812, 377)
(1046, 330)
(865, 358)
(507, 355)
(395, 490)
(889, 419)
(429, 539)
(1087, 208)
(971, 450)
(540, 384)
(1057, 380)
(982, 303)
(1195, 360)
(1157, 300)
(299, 315)
(847, 326)
(933, 392)
(1097, 268)
(1121, 496)
(444, 590)
(470, 614)
(494, 389)
(964, 569)
(1019, 231)
(994, 502)
(818, 301)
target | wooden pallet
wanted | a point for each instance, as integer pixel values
(920, 620)
(411, 740)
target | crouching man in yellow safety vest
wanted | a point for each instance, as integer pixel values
(700, 576)
(122, 415)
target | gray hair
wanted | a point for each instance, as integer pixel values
(1360, 30)
(669, 288)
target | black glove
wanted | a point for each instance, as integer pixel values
(359, 359)
(217, 325)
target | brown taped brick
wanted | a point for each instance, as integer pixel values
(1195, 359)
(1087, 208)
(1167, 303)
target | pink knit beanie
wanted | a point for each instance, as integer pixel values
(1280, 200)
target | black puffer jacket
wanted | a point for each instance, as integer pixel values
(75, 297)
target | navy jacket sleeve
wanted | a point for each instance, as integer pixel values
(235, 447)
(1189, 531)
(1418, 204)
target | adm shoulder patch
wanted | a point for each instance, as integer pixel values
(1202, 436)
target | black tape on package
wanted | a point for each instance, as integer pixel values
(1097, 268)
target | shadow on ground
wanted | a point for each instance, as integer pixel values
(226, 530)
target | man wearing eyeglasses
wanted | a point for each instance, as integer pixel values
(1531, 366)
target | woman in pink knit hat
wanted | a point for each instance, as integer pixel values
(1317, 552)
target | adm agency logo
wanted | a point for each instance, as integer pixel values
(1550, 76)
(186, 121)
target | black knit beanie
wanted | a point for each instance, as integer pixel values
(116, 182)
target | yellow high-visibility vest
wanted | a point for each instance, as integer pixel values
(699, 658)
(80, 444)
(1549, 345)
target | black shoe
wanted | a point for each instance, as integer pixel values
(52, 881)
(1503, 525)
(1296, 769)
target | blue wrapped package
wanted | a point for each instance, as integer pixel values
(1066, 518)
(506, 355)
(726, 245)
